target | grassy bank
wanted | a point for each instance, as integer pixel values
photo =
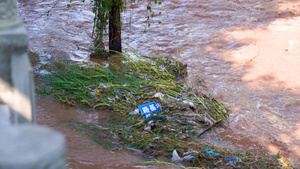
(123, 85)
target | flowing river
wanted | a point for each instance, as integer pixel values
(246, 53)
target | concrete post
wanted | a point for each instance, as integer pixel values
(22, 146)
(16, 82)
(27, 146)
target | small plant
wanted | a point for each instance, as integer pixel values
(33, 57)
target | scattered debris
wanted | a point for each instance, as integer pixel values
(159, 115)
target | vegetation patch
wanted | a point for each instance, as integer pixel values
(158, 113)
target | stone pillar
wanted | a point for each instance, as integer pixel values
(22, 146)
(27, 146)
(16, 79)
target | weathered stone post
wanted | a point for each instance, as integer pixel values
(23, 145)
(30, 146)
(16, 82)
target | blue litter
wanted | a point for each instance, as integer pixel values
(118, 92)
(188, 158)
(211, 152)
(173, 118)
(231, 159)
(148, 108)
(130, 145)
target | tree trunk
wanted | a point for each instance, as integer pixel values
(115, 27)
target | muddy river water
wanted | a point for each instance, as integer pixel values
(246, 53)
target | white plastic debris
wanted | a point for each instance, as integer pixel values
(136, 111)
(175, 157)
(189, 152)
(191, 104)
(159, 95)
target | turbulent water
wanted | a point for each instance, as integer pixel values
(246, 53)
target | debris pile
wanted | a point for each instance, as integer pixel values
(161, 114)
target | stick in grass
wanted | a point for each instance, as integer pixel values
(210, 127)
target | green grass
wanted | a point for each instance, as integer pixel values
(126, 83)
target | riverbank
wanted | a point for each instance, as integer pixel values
(172, 133)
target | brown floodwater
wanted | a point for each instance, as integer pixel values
(83, 152)
(246, 53)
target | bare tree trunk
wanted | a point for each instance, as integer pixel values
(115, 27)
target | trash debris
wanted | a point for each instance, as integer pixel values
(175, 157)
(231, 159)
(158, 95)
(172, 116)
(136, 111)
(211, 152)
(198, 92)
(97, 91)
(188, 158)
(148, 108)
(147, 128)
(173, 98)
(71, 103)
(189, 152)
(156, 117)
(182, 137)
(189, 104)
(130, 145)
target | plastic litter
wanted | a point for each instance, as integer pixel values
(190, 104)
(211, 152)
(130, 145)
(148, 108)
(182, 137)
(175, 157)
(277, 155)
(136, 111)
(173, 98)
(158, 95)
(188, 158)
(198, 92)
(71, 103)
(157, 117)
(118, 92)
(147, 128)
(98, 91)
(189, 152)
(231, 159)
